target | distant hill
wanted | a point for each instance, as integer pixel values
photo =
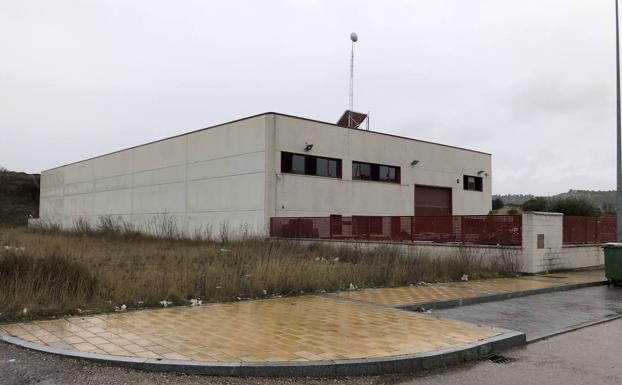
(515, 199)
(19, 197)
(605, 199)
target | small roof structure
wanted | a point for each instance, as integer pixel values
(351, 119)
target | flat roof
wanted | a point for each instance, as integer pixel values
(262, 114)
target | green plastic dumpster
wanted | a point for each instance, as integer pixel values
(613, 262)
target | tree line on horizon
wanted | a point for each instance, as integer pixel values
(572, 205)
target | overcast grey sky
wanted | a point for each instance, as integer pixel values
(530, 81)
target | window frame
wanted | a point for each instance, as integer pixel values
(478, 183)
(374, 172)
(310, 165)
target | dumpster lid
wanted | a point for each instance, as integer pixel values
(612, 245)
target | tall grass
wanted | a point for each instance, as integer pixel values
(54, 273)
(42, 283)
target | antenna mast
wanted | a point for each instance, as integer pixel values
(354, 38)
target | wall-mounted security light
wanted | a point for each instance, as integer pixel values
(480, 172)
(414, 162)
(308, 146)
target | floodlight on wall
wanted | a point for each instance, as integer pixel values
(308, 146)
(480, 172)
(414, 162)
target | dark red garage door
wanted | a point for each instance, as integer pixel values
(432, 201)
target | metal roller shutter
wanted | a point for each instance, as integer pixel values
(432, 201)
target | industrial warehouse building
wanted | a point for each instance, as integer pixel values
(242, 173)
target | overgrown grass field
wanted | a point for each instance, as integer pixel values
(53, 273)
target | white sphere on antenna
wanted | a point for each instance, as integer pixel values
(354, 37)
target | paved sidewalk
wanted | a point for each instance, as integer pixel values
(315, 329)
(310, 328)
(420, 294)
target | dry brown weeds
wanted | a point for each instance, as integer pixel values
(55, 274)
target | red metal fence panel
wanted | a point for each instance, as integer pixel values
(492, 229)
(474, 229)
(578, 230)
(479, 229)
(436, 229)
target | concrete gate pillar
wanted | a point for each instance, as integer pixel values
(542, 241)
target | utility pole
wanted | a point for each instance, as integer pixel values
(619, 135)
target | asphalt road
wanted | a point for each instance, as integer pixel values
(544, 314)
(588, 356)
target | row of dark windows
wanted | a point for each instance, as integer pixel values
(330, 167)
(321, 166)
(310, 165)
(377, 172)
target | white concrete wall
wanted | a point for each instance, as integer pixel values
(299, 195)
(201, 180)
(489, 255)
(579, 256)
(567, 258)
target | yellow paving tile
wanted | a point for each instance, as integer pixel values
(49, 339)
(175, 356)
(401, 296)
(41, 333)
(30, 337)
(145, 354)
(73, 340)
(288, 329)
(84, 347)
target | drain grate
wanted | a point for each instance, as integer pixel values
(498, 359)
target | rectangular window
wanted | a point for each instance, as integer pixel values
(310, 165)
(361, 171)
(473, 183)
(377, 172)
(321, 167)
(334, 168)
(298, 164)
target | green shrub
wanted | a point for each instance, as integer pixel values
(536, 204)
(608, 208)
(570, 205)
(497, 204)
(580, 206)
